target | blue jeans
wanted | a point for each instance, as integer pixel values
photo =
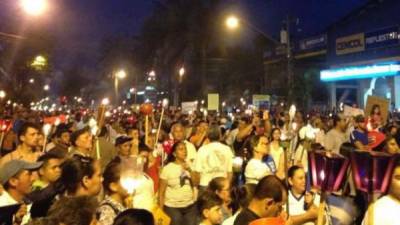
(182, 216)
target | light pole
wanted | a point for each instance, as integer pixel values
(178, 86)
(119, 75)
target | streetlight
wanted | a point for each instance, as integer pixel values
(46, 87)
(232, 22)
(2, 94)
(34, 7)
(31, 80)
(181, 73)
(119, 75)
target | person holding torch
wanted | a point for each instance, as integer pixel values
(117, 197)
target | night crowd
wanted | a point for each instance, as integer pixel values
(194, 168)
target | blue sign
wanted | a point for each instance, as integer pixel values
(382, 38)
(313, 43)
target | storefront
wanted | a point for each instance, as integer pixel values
(363, 64)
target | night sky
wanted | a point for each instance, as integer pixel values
(79, 25)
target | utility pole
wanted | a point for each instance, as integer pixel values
(289, 58)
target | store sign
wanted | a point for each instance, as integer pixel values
(350, 44)
(382, 38)
(317, 42)
(359, 72)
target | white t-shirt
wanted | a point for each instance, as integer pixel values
(334, 140)
(7, 200)
(386, 211)
(255, 171)
(296, 205)
(177, 195)
(143, 197)
(276, 154)
(213, 160)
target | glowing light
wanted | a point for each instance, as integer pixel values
(322, 175)
(292, 111)
(31, 80)
(105, 101)
(181, 71)
(152, 73)
(46, 87)
(359, 72)
(39, 61)
(232, 22)
(223, 104)
(34, 7)
(2, 94)
(46, 129)
(121, 74)
(165, 102)
(57, 122)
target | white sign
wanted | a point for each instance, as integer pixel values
(189, 107)
(349, 111)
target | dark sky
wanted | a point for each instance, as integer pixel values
(79, 25)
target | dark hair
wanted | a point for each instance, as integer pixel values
(74, 170)
(243, 195)
(103, 131)
(134, 217)
(24, 128)
(253, 142)
(111, 174)
(269, 187)
(214, 133)
(43, 221)
(171, 157)
(272, 132)
(208, 200)
(73, 210)
(292, 170)
(336, 120)
(375, 106)
(216, 184)
(52, 154)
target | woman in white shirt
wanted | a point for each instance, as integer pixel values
(277, 153)
(177, 195)
(302, 205)
(256, 168)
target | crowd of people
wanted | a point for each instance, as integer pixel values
(198, 168)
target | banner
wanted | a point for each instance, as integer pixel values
(350, 44)
(313, 43)
(213, 102)
(349, 111)
(382, 37)
(261, 101)
(188, 107)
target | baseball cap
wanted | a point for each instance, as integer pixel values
(122, 139)
(13, 167)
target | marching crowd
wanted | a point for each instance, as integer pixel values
(197, 168)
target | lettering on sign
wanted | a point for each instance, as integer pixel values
(350, 44)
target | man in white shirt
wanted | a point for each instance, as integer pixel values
(213, 159)
(16, 178)
(178, 134)
(337, 135)
(386, 209)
